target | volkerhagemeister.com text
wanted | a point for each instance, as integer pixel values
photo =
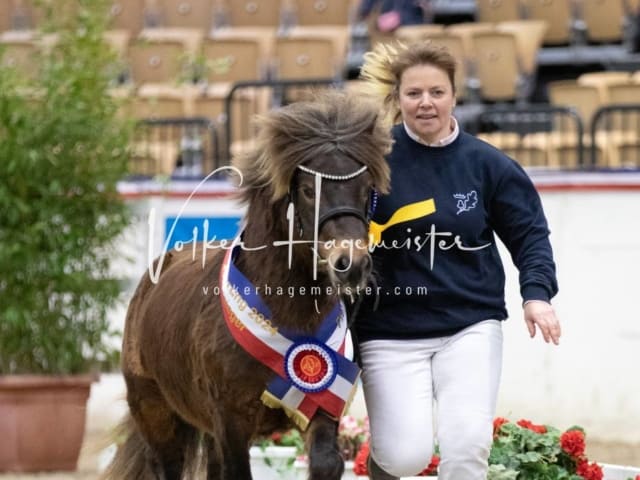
(316, 291)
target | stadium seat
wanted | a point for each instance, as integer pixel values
(623, 126)
(559, 17)
(245, 104)
(417, 33)
(162, 55)
(197, 14)
(34, 11)
(20, 52)
(128, 15)
(151, 158)
(235, 54)
(624, 93)
(498, 52)
(529, 35)
(155, 151)
(604, 19)
(527, 150)
(155, 101)
(322, 12)
(252, 13)
(311, 52)
(585, 100)
(498, 10)
(167, 123)
(465, 31)
(23, 14)
(6, 16)
(601, 80)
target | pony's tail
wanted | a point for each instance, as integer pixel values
(378, 79)
(130, 461)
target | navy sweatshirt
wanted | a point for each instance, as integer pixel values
(475, 192)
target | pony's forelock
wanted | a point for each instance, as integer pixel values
(331, 124)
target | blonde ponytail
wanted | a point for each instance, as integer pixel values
(379, 81)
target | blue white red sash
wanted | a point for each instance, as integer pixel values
(311, 372)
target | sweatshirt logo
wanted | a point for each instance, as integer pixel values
(466, 201)
(405, 213)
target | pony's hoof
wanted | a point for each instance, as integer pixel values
(329, 469)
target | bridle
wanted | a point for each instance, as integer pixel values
(339, 211)
(364, 216)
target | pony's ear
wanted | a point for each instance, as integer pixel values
(279, 155)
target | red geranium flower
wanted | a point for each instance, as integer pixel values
(573, 443)
(360, 462)
(497, 423)
(533, 427)
(589, 471)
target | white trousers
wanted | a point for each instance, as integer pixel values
(402, 379)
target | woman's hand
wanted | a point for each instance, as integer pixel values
(542, 314)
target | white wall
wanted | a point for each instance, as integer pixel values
(592, 378)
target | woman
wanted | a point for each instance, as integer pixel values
(410, 12)
(433, 331)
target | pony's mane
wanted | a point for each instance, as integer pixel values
(332, 122)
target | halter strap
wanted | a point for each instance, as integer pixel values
(329, 176)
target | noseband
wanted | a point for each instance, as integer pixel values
(340, 211)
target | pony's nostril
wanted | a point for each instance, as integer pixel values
(343, 263)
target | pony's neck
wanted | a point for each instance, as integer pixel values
(297, 301)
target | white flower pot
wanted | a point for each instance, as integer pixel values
(279, 463)
(274, 463)
(618, 472)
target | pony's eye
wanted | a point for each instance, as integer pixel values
(308, 193)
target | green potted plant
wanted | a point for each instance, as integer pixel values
(63, 149)
(525, 450)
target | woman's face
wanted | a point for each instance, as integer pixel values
(427, 101)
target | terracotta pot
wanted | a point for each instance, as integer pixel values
(42, 421)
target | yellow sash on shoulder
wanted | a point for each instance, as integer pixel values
(403, 214)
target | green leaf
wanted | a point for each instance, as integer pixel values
(500, 472)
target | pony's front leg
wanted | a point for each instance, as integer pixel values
(325, 461)
(228, 457)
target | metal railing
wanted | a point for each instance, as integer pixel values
(536, 135)
(615, 137)
(175, 147)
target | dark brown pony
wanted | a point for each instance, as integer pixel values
(193, 392)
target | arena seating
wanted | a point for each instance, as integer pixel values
(178, 60)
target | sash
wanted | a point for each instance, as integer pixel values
(311, 372)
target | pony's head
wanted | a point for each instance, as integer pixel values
(318, 165)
